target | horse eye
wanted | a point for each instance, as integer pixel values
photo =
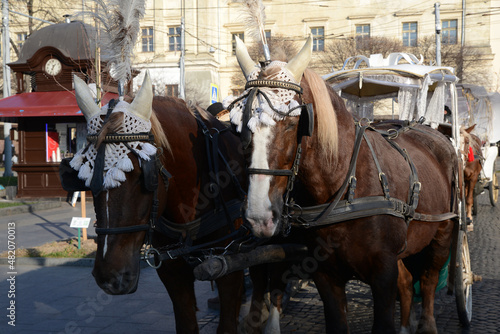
(292, 125)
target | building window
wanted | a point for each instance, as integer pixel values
(174, 39)
(172, 90)
(362, 34)
(241, 35)
(318, 38)
(147, 40)
(21, 38)
(449, 31)
(410, 34)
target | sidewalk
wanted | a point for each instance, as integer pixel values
(61, 296)
(67, 300)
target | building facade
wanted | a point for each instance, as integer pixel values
(210, 27)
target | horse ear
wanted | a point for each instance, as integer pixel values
(246, 63)
(84, 98)
(142, 105)
(469, 129)
(299, 63)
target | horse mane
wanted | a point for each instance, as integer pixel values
(324, 105)
(160, 136)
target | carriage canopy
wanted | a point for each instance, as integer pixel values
(409, 89)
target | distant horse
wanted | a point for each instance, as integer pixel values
(363, 197)
(472, 158)
(167, 178)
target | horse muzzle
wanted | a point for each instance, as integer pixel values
(116, 282)
(265, 223)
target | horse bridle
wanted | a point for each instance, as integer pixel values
(152, 184)
(154, 223)
(305, 128)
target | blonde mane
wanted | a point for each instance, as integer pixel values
(326, 126)
(160, 137)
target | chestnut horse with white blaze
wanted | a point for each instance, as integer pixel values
(395, 195)
(162, 190)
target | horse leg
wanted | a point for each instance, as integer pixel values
(230, 291)
(277, 288)
(405, 288)
(428, 283)
(256, 315)
(437, 254)
(334, 302)
(384, 285)
(178, 279)
(469, 192)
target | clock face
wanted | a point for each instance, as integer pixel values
(53, 66)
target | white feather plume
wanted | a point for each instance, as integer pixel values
(255, 19)
(121, 20)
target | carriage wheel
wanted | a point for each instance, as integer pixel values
(463, 281)
(493, 189)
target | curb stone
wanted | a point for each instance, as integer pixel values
(37, 206)
(50, 261)
(56, 262)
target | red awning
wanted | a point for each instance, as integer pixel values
(37, 104)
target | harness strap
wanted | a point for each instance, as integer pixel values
(413, 195)
(381, 175)
(202, 226)
(273, 84)
(121, 230)
(350, 173)
(213, 152)
(98, 178)
(361, 208)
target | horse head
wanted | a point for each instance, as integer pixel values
(267, 115)
(118, 165)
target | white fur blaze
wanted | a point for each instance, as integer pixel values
(259, 212)
(273, 322)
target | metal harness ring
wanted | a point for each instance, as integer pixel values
(151, 251)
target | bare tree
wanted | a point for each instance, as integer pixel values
(468, 61)
(339, 50)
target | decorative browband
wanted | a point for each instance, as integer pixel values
(122, 137)
(274, 84)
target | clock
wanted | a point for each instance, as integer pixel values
(53, 67)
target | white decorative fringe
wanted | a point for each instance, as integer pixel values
(116, 162)
(262, 113)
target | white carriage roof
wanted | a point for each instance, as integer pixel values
(383, 76)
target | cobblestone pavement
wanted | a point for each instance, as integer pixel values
(304, 312)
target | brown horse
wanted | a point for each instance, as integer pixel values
(195, 202)
(472, 166)
(272, 116)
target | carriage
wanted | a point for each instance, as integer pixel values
(401, 87)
